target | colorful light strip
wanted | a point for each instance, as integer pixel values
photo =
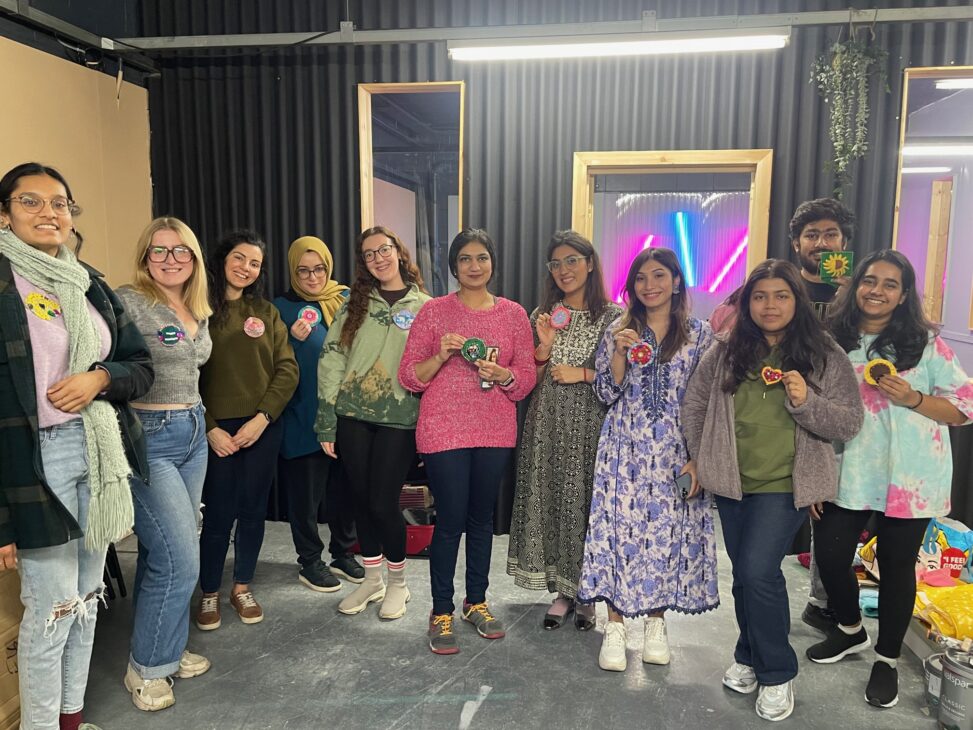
(648, 241)
(687, 263)
(729, 264)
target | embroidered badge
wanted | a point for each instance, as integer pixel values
(309, 314)
(403, 319)
(254, 327)
(641, 353)
(560, 317)
(878, 368)
(170, 335)
(771, 376)
(474, 349)
(42, 307)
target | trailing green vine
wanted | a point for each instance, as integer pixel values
(842, 76)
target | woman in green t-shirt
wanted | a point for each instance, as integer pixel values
(759, 416)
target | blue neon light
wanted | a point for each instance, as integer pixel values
(687, 263)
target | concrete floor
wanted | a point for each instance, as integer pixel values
(306, 666)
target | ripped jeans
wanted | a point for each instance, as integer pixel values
(60, 589)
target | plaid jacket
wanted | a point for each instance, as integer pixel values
(30, 515)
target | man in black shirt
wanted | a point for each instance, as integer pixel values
(818, 226)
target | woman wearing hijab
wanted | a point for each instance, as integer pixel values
(308, 310)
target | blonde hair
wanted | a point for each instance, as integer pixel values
(195, 294)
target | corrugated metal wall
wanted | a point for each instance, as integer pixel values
(269, 139)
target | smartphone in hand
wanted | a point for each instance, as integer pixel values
(684, 482)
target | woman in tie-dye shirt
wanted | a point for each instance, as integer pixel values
(898, 466)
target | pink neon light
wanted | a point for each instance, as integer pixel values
(646, 243)
(729, 264)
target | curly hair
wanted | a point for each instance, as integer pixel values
(803, 347)
(364, 282)
(905, 336)
(822, 209)
(217, 271)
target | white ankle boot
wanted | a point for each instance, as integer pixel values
(371, 589)
(396, 596)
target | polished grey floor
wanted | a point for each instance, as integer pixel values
(306, 666)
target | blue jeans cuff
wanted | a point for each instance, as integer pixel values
(159, 672)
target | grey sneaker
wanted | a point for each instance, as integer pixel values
(740, 678)
(486, 625)
(776, 702)
(442, 640)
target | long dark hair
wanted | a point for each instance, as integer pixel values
(217, 271)
(804, 346)
(907, 333)
(361, 287)
(8, 183)
(636, 316)
(595, 299)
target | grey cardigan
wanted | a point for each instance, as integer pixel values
(834, 414)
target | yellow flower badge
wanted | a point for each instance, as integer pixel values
(42, 307)
(878, 368)
(835, 264)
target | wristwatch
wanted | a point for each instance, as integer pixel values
(508, 382)
(266, 415)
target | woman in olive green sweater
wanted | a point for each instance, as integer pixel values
(372, 418)
(245, 386)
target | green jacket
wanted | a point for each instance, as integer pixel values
(363, 383)
(30, 515)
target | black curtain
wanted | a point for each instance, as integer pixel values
(269, 139)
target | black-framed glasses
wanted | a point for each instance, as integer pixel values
(61, 206)
(570, 262)
(385, 251)
(160, 254)
(320, 272)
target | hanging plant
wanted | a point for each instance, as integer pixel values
(842, 75)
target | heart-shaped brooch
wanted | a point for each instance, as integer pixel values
(771, 376)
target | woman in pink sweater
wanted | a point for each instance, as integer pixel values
(467, 425)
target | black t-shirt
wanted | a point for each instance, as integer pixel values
(821, 295)
(391, 297)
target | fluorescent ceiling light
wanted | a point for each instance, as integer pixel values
(619, 44)
(924, 170)
(938, 150)
(955, 84)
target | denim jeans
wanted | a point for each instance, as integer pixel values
(60, 587)
(757, 532)
(236, 491)
(464, 483)
(166, 519)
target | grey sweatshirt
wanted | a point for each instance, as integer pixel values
(834, 414)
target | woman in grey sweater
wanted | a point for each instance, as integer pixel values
(759, 417)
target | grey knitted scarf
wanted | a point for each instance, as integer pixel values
(110, 514)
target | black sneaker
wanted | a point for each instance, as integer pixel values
(822, 619)
(883, 686)
(317, 576)
(348, 568)
(838, 645)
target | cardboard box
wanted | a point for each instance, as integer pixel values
(11, 611)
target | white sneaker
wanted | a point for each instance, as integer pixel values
(740, 678)
(655, 645)
(777, 702)
(612, 655)
(192, 665)
(149, 695)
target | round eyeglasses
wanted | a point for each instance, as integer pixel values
(35, 204)
(320, 272)
(570, 262)
(161, 254)
(384, 251)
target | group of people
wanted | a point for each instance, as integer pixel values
(131, 408)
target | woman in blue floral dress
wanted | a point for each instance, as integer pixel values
(651, 545)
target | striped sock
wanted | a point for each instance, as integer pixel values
(375, 562)
(396, 566)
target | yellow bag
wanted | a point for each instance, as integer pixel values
(948, 610)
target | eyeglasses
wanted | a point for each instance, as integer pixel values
(160, 254)
(831, 236)
(320, 272)
(385, 251)
(571, 262)
(60, 205)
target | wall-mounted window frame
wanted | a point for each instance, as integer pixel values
(757, 162)
(365, 149)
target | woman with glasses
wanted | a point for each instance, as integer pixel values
(308, 310)
(555, 467)
(70, 360)
(245, 385)
(168, 301)
(467, 426)
(368, 416)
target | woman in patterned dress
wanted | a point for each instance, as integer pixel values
(899, 466)
(650, 546)
(556, 463)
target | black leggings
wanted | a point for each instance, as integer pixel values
(377, 459)
(835, 538)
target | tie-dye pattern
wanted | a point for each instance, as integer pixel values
(900, 462)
